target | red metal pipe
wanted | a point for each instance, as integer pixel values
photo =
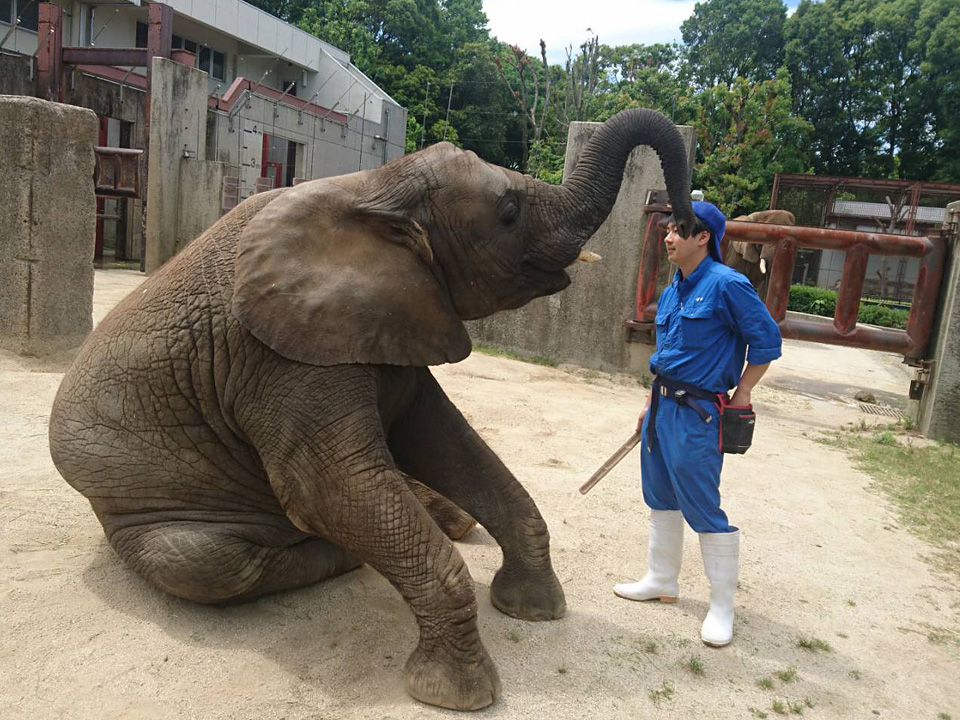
(781, 274)
(895, 341)
(925, 295)
(828, 238)
(646, 306)
(851, 288)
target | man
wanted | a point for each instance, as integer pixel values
(708, 320)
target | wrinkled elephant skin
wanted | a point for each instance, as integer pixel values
(260, 414)
(746, 257)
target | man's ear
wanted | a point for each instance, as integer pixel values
(703, 239)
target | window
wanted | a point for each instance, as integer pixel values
(27, 10)
(210, 61)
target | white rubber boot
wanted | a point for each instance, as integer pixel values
(664, 554)
(721, 556)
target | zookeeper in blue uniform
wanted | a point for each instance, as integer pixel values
(708, 320)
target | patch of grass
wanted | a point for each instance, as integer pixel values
(514, 636)
(812, 644)
(694, 665)
(943, 716)
(779, 707)
(786, 676)
(664, 692)
(854, 675)
(562, 670)
(924, 483)
(758, 713)
(808, 702)
(842, 635)
(851, 603)
(650, 647)
(514, 355)
(765, 683)
(796, 707)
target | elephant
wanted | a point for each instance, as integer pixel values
(753, 259)
(260, 415)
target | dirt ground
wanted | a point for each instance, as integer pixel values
(823, 558)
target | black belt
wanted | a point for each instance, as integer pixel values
(681, 392)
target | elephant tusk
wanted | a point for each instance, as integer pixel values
(588, 257)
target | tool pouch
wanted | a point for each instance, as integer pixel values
(736, 429)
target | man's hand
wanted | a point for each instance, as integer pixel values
(751, 376)
(646, 409)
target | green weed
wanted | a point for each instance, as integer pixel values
(812, 644)
(765, 683)
(514, 355)
(779, 707)
(786, 676)
(758, 713)
(854, 674)
(695, 665)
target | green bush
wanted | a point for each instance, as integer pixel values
(823, 302)
(812, 300)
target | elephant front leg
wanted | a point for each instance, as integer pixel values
(434, 443)
(372, 513)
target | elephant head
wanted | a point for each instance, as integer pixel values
(753, 259)
(383, 266)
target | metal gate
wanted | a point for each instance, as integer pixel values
(911, 342)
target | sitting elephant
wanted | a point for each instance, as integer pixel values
(251, 418)
(753, 259)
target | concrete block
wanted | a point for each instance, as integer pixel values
(178, 121)
(47, 231)
(583, 325)
(201, 187)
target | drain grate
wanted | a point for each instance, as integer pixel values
(885, 410)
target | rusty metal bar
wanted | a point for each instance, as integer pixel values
(851, 289)
(50, 53)
(859, 246)
(781, 275)
(105, 56)
(646, 307)
(828, 238)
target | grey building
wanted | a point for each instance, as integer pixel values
(278, 104)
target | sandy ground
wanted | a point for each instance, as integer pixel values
(823, 556)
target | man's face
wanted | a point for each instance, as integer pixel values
(680, 250)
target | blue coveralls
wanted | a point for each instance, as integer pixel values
(705, 323)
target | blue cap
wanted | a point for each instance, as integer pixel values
(710, 215)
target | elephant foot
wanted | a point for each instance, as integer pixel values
(437, 678)
(528, 595)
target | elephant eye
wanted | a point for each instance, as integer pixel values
(509, 211)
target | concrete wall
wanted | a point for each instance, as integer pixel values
(583, 324)
(199, 205)
(178, 113)
(48, 224)
(940, 404)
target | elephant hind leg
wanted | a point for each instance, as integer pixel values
(454, 522)
(211, 562)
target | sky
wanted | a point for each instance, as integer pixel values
(569, 22)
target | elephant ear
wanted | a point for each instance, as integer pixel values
(322, 281)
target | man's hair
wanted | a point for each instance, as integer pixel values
(698, 226)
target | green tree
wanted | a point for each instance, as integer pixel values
(727, 39)
(746, 134)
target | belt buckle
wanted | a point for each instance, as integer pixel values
(679, 395)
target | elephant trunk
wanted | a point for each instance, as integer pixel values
(585, 199)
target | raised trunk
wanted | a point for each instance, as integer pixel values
(585, 199)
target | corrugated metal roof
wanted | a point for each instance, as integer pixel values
(852, 208)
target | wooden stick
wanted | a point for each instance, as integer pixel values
(611, 462)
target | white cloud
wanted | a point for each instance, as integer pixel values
(565, 22)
